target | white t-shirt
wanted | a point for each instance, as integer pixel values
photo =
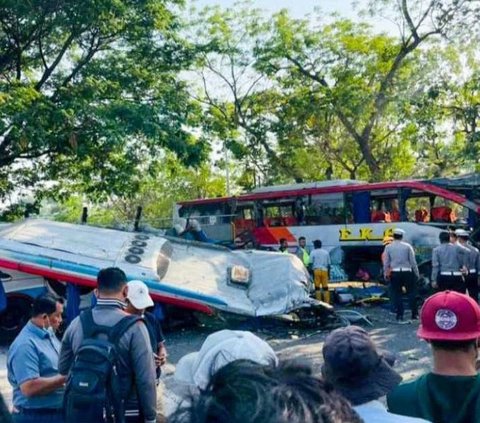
(320, 259)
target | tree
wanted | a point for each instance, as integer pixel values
(374, 67)
(89, 89)
(156, 194)
(240, 102)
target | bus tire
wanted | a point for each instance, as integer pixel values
(15, 316)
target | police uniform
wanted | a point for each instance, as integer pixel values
(447, 263)
(400, 263)
(473, 266)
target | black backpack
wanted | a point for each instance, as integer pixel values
(95, 390)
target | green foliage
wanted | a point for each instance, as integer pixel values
(88, 89)
(156, 194)
(304, 99)
(95, 100)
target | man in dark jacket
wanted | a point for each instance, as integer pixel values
(450, 322)
(134, 348)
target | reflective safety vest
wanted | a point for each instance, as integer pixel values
(304, 256)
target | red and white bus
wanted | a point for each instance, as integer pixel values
(350, 217)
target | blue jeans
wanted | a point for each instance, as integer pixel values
(31, 416)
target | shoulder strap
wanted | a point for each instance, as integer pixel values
(121, 327)
(89, 327)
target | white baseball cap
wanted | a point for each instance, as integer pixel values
(218, 350)
(398, 231)
(138, 295)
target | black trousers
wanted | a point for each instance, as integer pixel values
(451, 283)
(471, 282)
(399, 280)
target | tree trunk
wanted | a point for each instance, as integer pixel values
(373, 166)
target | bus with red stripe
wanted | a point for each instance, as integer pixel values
(351, 218)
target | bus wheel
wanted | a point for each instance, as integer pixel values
(15, 316)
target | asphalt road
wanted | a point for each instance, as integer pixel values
(413, 357)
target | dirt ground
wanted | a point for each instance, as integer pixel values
(413, 357)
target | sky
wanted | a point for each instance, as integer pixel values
(298, 8)
(301, 8)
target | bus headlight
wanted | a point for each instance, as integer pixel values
(240, 275)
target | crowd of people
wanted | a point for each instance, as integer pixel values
(455, 266)
(108, 364)
(104, 370)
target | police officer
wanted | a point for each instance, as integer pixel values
(473, 263)
(448, 265)
(302, 252)
(401, 265)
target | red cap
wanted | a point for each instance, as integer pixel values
(449, 316)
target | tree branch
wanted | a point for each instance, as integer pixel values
(411, 26)
(49, 70)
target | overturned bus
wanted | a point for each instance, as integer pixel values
(37, 254)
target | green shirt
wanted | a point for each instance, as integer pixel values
(440, 399)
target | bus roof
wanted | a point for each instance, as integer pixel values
(318, 184)
(296, 191)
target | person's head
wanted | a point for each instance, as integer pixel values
(180, 225)
(398, 234)
(444, 237)
(283, 243)
(317, 244)
(453, 237)
(248, 392)
(138, 298)
(219, 349)
(450, 318)
(194, 225)
(302, 242)
(47, 311)
(356, 368)
(112, 283)
(462, 235)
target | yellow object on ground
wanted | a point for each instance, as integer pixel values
(320, 277)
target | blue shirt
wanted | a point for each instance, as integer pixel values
(33, 354)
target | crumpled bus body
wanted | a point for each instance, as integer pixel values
(188, 274)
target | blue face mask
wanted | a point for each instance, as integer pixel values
(49, 330)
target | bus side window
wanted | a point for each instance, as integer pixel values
(449, 212)
(244, 220)
(326, 209)
(417, 209)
